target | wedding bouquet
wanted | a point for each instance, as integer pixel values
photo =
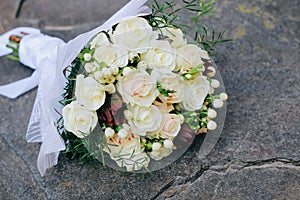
(135, 90)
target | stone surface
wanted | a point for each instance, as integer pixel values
(257, 155)
(256, 182)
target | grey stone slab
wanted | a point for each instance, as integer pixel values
(276, 181)
(69, 12)
(98, 182)
(273, 131)
(264, 32)
(263, 82)
(16, 179)
(258, 129)
(8, 10)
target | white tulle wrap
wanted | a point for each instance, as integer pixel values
(49, 56)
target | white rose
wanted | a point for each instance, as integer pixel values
(160, 56)
(175, 36)
(171, 127)
(170, 81)
(79, 120)
(133, 33)
(188, 57)
(127, 152)
(100, 40)
(89, 92)
(145, 119)
(195, 92)
(112, 55)
(138, 87)
(161, 153)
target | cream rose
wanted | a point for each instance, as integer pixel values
(160, 153)
(195, 92)
(188, 57)
(138, 88)
(160, 56)
(133, 33)
(145, 119)
(170, 81)
(89, 92)
(100, 40)
(175, 36)
(171, 127)
(79, 120)
(112, 55)
(127, 152)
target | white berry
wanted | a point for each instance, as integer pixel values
(109, 132)
(87, 56)
(215, 83)
(168, 144)
(115, 70)
(156, 146)
(223, 96)
(212, 71)
(218, 103)
(211, 113)
(212, 125)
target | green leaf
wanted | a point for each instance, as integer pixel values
(164, 91)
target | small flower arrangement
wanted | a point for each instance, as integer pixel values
(138, 92)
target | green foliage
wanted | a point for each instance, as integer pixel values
(69, 88)
(164, 91)
(76, 149)
(167, 14)
(209, 44)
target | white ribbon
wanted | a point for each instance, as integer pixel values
(18, 88)
(49, 56)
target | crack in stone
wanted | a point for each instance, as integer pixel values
(19, 8)
(163, 189)
(185, 181)
(197, 175)
(270, 161)
(237, 165)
